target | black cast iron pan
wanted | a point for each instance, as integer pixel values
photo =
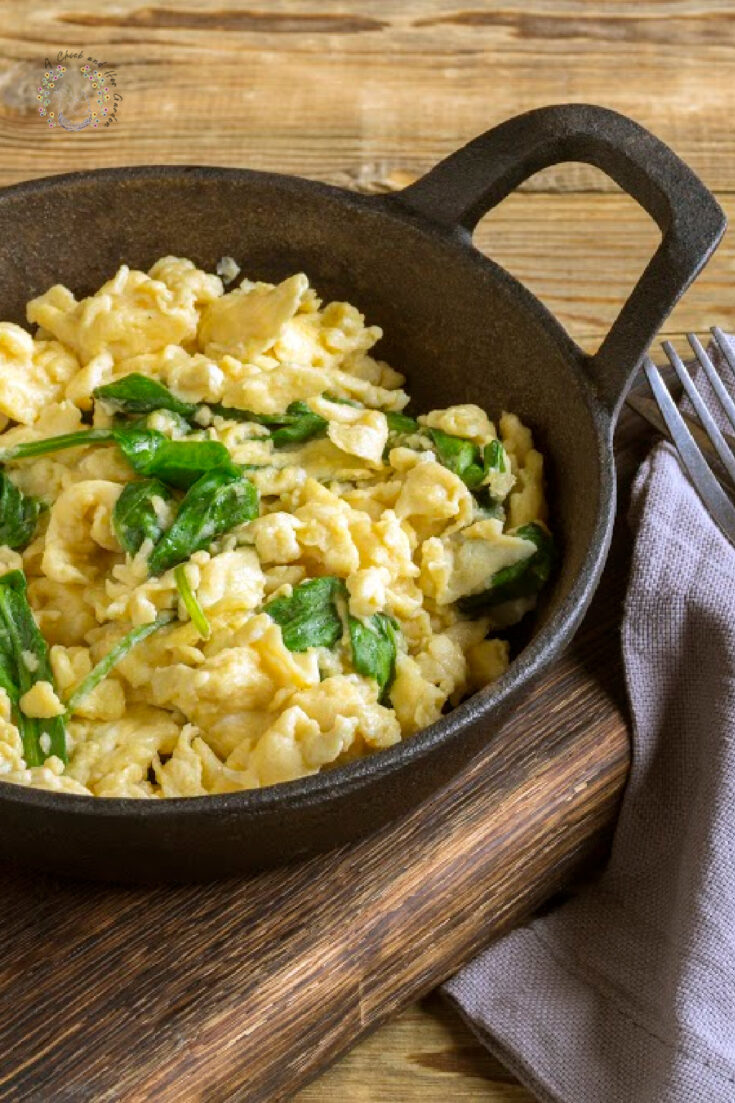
(461, 328)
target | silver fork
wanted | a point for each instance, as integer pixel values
(710, 491)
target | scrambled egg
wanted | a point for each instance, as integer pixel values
(184, 714)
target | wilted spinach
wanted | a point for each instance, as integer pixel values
(30, 448)
(135, 517)
(216, 503)
(374, 648)
(149, 452)
(522, 579)
(466, 459)
(459, 455)
(456, 453)
(309, 617)
(299, 424)
(189, 598)
(494, 458)
(113, 657)
(401, 424)
(18, 514)
(23, 662)
(138, 394)
(176, 462)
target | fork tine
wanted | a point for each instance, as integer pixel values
(727, 403)
(710, 491)
(708, 423)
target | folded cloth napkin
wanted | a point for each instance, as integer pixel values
(626, 993)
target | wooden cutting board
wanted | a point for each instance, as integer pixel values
(247, 989)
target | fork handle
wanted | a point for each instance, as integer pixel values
(468, 183)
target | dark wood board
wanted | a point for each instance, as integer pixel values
(247, 989)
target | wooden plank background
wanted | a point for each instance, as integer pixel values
(369, 95)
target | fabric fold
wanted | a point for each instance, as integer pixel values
(626, 993)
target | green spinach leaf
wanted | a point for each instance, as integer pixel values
(189, 598)
(146, 422)
(299, 425)
(134, 517)
(18, 514)
(494, 458)
(150, 452)
(522, 579)
(401, 424)
(138, 394)
(460, 456)
(24, 658)
(473, 475)
(176, 462)
(217, 502)
(30, 448)
(456, 453)
(8, 673)
(309, 617)
(374, 648)
(465, 458)
(100, 671)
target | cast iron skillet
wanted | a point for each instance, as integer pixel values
(462, 330)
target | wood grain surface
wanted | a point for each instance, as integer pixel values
(247, 988)
(426, 1052)
(368, 95)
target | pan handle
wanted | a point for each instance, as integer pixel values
(468, 183)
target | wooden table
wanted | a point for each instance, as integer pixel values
(370, 95)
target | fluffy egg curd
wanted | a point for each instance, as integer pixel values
(228, 556)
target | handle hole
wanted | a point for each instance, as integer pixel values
(580, 252)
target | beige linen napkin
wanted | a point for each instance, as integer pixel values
(626, 994)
